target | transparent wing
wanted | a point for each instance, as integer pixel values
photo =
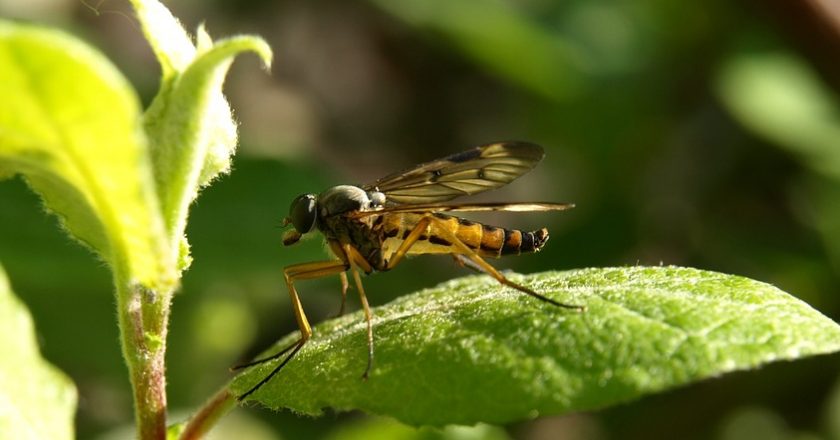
(473, 171)
(465, 207)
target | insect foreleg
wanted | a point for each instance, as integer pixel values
(308, 271)
(303, 271)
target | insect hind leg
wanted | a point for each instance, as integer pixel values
(469, 258)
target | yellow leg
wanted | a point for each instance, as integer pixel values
(368, 318)
(344, 286)
(469, 258)
(463, 261)
(480, 264)
(308, 271)
(357, 261)
(421, 227)
(304, 271)
(354, 258)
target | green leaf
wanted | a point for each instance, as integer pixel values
(471, 351)
(499, 36)
(824, 214)
(70, 123)
(170, 42)
(37, 401)
(779, 97)
(388, 429)
(190, 126)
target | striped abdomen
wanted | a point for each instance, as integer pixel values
(487, 241)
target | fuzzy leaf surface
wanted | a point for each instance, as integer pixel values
(471, 351)
(191, 129)
(70, 124)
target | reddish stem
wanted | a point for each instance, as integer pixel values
(208, 415)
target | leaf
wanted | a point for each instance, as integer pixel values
(779, 97)
(191, 128)
(501, 37)
(824, 213)
(170, 42)
(471, 351)
(37, 401)
(373, 428)
(70, 123)
(758, 422)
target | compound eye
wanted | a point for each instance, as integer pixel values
(302, 213)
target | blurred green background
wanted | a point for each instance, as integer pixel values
(704, 134)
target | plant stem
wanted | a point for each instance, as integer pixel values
(143, 317)
(208, 415)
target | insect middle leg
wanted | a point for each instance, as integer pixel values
(466, 257)
(303, 271)
(463, 261)
(344, 286)
(358, 262)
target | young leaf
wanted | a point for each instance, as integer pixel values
(190, 125)
(37, 401)
(170, 42)
(471, 351)
(70, 123)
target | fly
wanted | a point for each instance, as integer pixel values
(371, 228)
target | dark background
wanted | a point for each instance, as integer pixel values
(703, 134)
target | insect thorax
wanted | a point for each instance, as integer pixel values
(345, 198)
(339, 200)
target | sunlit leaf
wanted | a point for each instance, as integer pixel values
(190, 126)
(70, 123)
(469, 350)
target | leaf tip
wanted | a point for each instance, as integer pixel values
(260, 47)
(263, 50)
(203, 41)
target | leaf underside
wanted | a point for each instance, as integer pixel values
(472, 351)
(70, 124)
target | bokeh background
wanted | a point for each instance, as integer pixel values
(704, 134)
